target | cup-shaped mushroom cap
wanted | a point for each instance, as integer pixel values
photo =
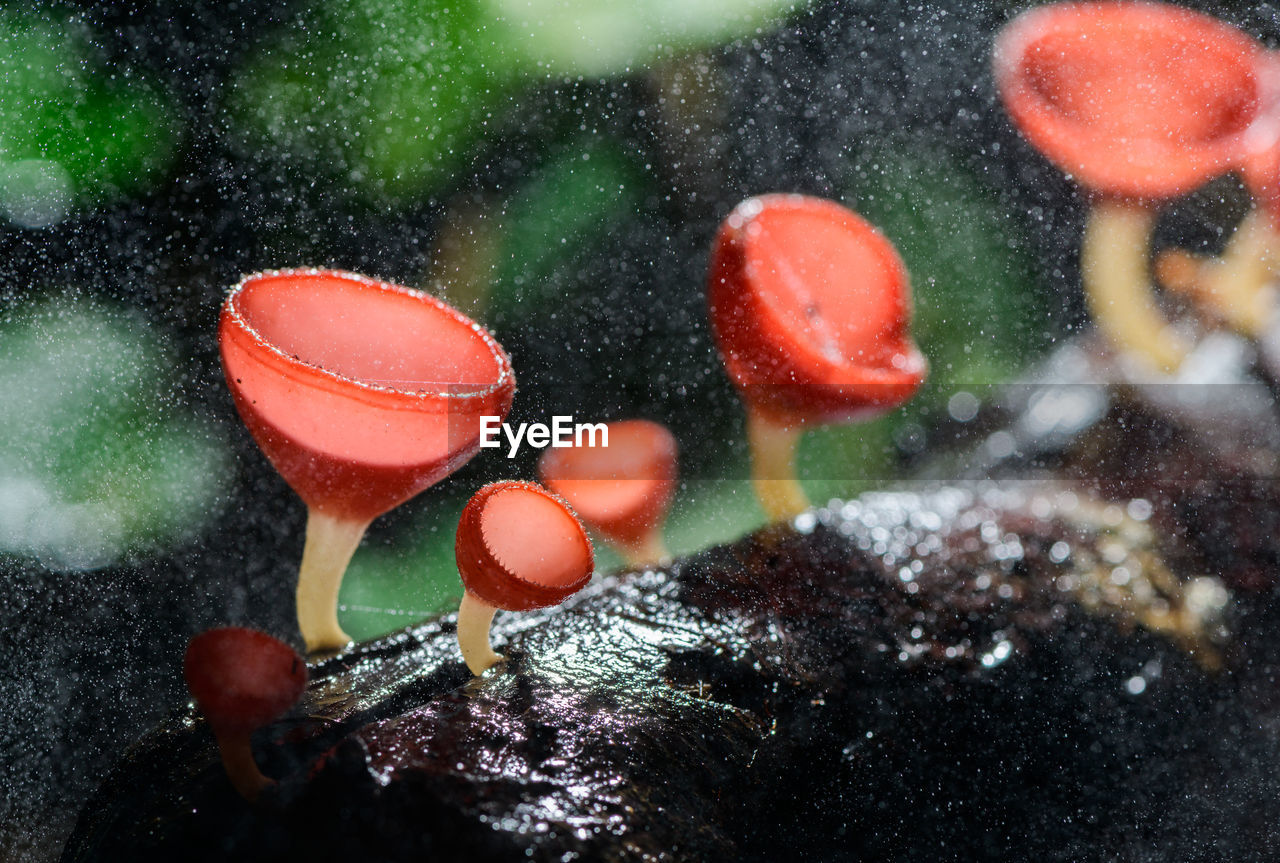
(622, 490)
(520, 547)
(241, 678)
(810, 308)
(361, 393)
(1138, 100)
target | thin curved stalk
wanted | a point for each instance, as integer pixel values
(330, 543)
(773, 467)
(238, 761)
(1117, 284)
(1236, 287)
(475, 616)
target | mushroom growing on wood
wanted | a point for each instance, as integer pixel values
(518, 547)
(810, 308)
(242, 680)
(1141, 102)
(621, 490)
(362, 394)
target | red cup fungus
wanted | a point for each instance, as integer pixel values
(242, 680)
(622, 490)
(518, 547)
(362, 394)
(810, 308)
(1261, 168)
(1141, 102)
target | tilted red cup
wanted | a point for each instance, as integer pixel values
(1138, 100)
(810, 308)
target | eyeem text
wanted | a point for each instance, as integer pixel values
(563, 432)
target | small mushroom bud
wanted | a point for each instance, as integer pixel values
(518, 547)
(622, 490)
(242, 680)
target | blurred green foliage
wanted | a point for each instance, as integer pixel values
(390, 98)
(566, 209)
(396, 581)
(978, 314)
(98, 460)
(612, 37)
(73, 132)
(386, 97)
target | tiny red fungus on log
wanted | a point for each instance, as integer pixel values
(518, 547)
(242, 680)
(362, 394)
(810, 308)
(621, 490)
(1141, 102)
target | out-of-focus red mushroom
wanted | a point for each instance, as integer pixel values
(518, 547)
(623, 489)
(242, 680)
(810, 308)
(1141, 102)
(1262, 161)
(362, 394)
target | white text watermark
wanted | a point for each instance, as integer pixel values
(563, 432)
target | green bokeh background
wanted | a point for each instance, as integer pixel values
(538, 176)
(974, 296)
(555, 169)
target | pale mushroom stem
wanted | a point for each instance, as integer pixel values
(1237, 286)
(330, 543)
(238, 761)
(648, 551)
(1117, 283)
(475, 616)
(773, 467)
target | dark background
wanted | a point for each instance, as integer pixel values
(596, 290)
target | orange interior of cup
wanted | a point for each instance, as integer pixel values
(361, 393)
(1133, 99)
(622, 490)
(520, 547)
(367, 333)
(534, 538)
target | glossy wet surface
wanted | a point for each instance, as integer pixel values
(965, 671)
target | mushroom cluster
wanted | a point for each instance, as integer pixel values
(362, 394)
(1141, 102)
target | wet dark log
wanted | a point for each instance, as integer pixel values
(1072, 659)
(967, 674)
